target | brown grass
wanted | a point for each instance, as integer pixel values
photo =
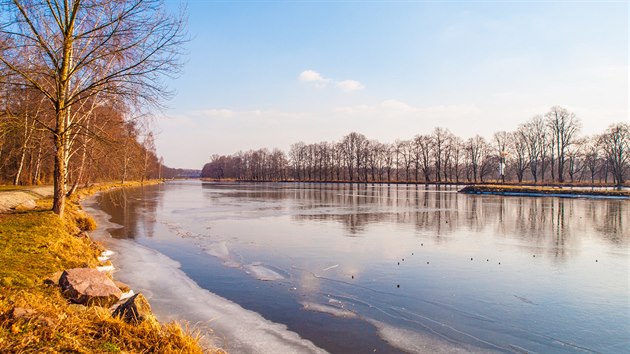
(35, 318)
(503, 189)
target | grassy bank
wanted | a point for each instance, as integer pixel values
(542, 191)
(34, 317)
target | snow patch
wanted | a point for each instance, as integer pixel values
(127, 295)
(105, 269)
(331, 310)
(417, 342)
(174, 296)
(262, 272)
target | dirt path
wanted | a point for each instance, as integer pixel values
(11, 199)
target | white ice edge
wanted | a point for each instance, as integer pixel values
(107, 253)
(174, 296)
(418, 342)
(331, 310)
(262, 272)
(107, 268)
(127, 295)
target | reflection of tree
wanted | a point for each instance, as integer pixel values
(558, 230)
(551, 224)
(134, 208)
(609, 220)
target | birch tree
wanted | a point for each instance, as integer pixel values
(73, 50)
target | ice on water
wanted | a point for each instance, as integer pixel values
(262, 272)
(331, 310)
(418, 342)
(174, 296)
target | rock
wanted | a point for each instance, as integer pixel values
(135, 310)
(21, 312)
(30, 315)
(27, 205)
(122, 286)
(88, 286)
(53, 279)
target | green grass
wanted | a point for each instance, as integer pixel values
(33, 246)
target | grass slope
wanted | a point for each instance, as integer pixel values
(34, 317)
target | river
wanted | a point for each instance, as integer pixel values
(359, 268)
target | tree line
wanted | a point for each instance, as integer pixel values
(546, 148)
(106, 146)
(74, 74)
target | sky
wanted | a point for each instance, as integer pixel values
(272, 73)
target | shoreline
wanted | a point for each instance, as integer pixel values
(35, 316)
(525, 191)
(606, 186)
(222, 324)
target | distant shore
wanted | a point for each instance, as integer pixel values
(543, 191)
(529, 184)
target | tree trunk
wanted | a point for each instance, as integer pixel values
(59, 175)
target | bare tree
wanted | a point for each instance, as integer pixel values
(475, 151)
(616, 144)
(424, 145)
(518, 147)
(592, 157)
(73, 50)
(564, 126)
(533, 134)
(440, 142)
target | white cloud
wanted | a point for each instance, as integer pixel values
(321, 82)
(312, 76)
(393, 107)
(396, 106)
(215, 113)
(350, 85)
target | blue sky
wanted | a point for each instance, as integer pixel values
(271, 73)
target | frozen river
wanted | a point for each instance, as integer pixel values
(288, 267)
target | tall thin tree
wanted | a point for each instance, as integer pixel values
(72, 50)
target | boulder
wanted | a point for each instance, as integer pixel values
(27, 205)
(88, 286)
(135, 310)
(30, 315)
(122, 286)
(54, 278)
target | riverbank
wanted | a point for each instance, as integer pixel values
(425, 183)
(511, 190)
(35, 317)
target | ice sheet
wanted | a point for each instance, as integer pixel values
(262, 272)
(331, 310)
(417, 342)
(174, 296)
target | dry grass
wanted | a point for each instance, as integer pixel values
(537, 190)
(35, 318)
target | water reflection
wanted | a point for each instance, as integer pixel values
(553, 223)
(135, 208)
(366, 248)
(558, 220)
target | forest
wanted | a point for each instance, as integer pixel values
(547, 148)
(105, 146)
(77, 81)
